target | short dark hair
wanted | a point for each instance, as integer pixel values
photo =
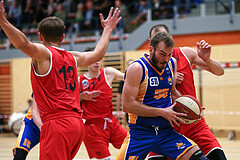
(89, 49)
(157, 27)
(52, 29)
(162, 37)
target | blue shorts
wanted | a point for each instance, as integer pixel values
(29, 135)
(161, 141)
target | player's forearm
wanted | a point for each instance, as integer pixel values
(175, 94)
(215, 67)
(140, 109)
(18, 39)
(102, 45)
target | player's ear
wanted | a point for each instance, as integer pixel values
(151, 50)
(40, 36)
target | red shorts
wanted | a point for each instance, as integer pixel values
(61, 138)
(200, 133)
(99, 133)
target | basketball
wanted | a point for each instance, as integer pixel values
(189, 105)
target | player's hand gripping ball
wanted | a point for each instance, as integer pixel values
(189, 105)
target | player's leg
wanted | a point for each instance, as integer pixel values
(118, 133)
(61, 138)
(20, 154)
(76, 138)
(198, 155)
(97, 139)
(154, 156)
(200, 133)
(176, 146)
(28, 137)
(122, 152)
(217, 154)
(139, 144)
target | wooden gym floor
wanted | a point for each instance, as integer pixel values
(7, 141)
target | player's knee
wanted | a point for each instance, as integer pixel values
(217, 154)
(198, 155)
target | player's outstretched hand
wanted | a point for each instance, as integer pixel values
(172, 116)
(90, 95)
(2, 10)
(204, 50)
(112, 19)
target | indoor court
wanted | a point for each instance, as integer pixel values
(7, 141)
(216, 21)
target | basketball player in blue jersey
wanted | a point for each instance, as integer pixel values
(147, 96)
(29, 135)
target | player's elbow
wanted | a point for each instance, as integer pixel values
(220, 73)
(125, 109)
(126, 106)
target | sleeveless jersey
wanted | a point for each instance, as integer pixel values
(103, 106)
(57, 91)
(187, 86)
(155, 91)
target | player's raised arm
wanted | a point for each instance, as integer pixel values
(109, 24)
(20, 41)
(204, 52)
(202, 58)
(113, 73)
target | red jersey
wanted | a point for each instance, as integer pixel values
(103, 107)
(57, 90)
(187, 86)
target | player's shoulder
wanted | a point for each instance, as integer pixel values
(109, 69)
(81, 76)
(135, 69)
(189, 52)
(136, 65)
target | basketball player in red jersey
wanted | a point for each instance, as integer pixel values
(199, 132)
(54, 82)
(102, 127)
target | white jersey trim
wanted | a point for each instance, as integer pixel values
(50, 68)
(105, 76)
(85, 74)
(58, 48)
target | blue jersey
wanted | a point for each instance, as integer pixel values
(155, 91)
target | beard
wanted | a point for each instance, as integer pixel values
(155, 62)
